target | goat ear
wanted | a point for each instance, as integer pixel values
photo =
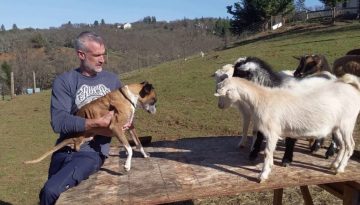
(220, 92)
(224, 77)
(296, 57)
(318, 60)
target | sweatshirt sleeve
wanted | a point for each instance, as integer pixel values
(62, 121)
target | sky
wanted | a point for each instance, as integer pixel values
(53, 13)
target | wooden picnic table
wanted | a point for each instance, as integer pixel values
(192, 168)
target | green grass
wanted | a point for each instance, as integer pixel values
(186, 105)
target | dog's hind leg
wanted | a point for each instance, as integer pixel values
(120, 135)
(137, 142)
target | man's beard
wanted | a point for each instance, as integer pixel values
(92, 68)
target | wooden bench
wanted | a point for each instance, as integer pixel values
(192, 168)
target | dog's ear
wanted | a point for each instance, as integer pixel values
(146, 89)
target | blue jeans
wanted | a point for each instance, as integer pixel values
(67, 169)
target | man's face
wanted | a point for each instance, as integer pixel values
(93, 58)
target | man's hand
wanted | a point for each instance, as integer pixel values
(100, 126)
(105, 120)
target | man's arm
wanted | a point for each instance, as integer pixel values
(62, 121)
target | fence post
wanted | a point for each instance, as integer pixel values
(307, 15)
(34, 82)
(12, 85)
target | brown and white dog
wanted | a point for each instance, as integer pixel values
(123, 102)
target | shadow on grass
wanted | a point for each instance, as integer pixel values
(4, 203)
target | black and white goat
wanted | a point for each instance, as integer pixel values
(331, 107)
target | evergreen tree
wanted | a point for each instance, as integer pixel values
(222, 26)
(2, 28)
(332, 3)
(39, 41)
(5, 74)
(102, 22)
(153, 19)
(5, 77)
(14, 27)
(251, 13)
(300, 5)
(96, 23)
(147, 19)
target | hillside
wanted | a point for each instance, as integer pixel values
(49, 52)
(186, 108)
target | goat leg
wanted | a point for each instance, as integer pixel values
(289, 151)
(257, 146)
(332, 149)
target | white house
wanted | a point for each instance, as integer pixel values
(127, 26)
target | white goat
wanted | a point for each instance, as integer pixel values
(331, 107)
(225, 72)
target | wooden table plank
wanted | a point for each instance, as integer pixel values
(193, 168)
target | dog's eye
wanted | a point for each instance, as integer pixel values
(153, 101)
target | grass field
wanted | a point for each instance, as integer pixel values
(186, 108)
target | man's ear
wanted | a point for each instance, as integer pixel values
(81, 54)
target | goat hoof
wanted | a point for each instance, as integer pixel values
(329, 153)
(146, 155)
(315, 147)
(262, 179)
(339, 170)
(286, 162)
(127, 169)
(334, 166)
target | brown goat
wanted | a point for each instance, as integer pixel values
(354, 52)
(347, 64)
(311, 64)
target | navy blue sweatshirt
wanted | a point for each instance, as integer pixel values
(71, 90)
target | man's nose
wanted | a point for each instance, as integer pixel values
(102, 59)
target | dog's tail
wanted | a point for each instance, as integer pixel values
(54, 149)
